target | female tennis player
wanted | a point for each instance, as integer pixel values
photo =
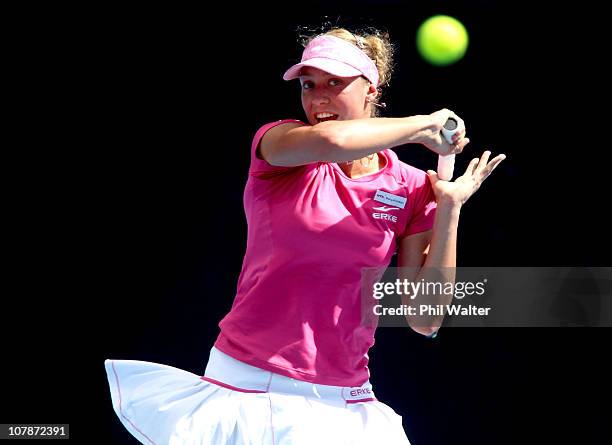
(325, 198)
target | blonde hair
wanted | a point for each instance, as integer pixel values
(377, 47)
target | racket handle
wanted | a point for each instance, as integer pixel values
(446, 164)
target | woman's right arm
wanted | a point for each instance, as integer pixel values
(294, 144)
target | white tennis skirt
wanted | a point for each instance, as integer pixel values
(239, 404)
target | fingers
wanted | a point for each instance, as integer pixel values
(495, 162)
(457, 141)
(458, 148)
(445, 113)
(484, 159)
(458, 136)
(482, 166)
(433, 176)
(441, 116)
(485, 168)
(471, 168)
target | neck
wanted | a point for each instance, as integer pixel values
(364, 166)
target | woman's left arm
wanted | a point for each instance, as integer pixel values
(432, 255)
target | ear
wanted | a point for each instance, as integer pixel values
(372, 93)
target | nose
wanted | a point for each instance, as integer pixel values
(320, 98)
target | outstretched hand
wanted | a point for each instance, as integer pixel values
(460, 190)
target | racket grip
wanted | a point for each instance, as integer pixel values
(446, 164)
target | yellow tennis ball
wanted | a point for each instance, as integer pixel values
(442, 40)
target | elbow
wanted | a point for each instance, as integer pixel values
(426, 326)
(427, 331)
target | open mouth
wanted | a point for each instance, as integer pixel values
(322, 117)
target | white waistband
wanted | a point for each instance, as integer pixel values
(234, 374)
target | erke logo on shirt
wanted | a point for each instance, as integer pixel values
(388, 198)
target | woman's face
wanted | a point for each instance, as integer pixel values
(342, 97)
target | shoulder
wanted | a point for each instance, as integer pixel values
(267, 134)
(278, 124)
(272, 131)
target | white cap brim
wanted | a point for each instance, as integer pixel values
(330, 66)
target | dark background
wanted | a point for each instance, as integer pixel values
(126, 196)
